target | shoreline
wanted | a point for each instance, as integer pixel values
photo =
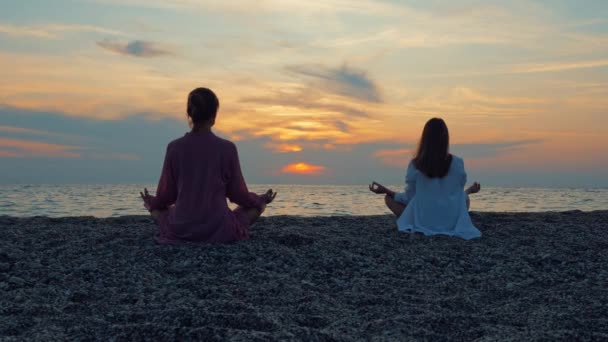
(265, 216)
(535, 275)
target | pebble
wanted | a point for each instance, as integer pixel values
(318, 279)
(16, 281)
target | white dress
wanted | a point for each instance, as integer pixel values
(436, 205)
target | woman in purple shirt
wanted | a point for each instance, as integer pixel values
(200, 171)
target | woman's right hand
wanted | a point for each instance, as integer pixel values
(269, 196)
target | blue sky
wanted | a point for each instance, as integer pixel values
(93, 90)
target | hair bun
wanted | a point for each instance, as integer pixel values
(202, 105)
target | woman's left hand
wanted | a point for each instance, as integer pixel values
(269, 196)
(147, 198)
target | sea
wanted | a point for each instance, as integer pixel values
(112, 200)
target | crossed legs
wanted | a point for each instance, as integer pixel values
(398, 208)
(252, 214)
(394, 206)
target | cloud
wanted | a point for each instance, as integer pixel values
(270, 6)
(39, 132)
(359, 163)
(9, 154)
(302, 113)
(87, 85)
(412, 38)
(395, 157)
(489, 150)
(17, 148)
(307, 99)
(136, 48)
(303, 169)
(400, 157)
(21, 148)
(558, 66)
(21, 130)
(115, 156)
(52, 31)
(284, 148)
(343, 81)
(43, 134)
(524, 68)
(290, 134)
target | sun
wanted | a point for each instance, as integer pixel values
(303, 169)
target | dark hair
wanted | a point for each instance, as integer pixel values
(433, 157)
(202, 105)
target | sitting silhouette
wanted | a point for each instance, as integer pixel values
(434, 200)
(200, 171)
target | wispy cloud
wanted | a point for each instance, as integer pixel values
(284, 148)
(289, 6)
(52, 31)
(115, 156)
(307, 99)
(558, 66)
(488, 150)
(136, 48)
(64, 84)
(28, 148)
(524, 68)
(21, 130)
(413, 38)
(400, 157)
(394, 157)
(344, 81)
(471, 95)
(12, 129)
(286, 132)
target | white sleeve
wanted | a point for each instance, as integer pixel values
(410, 185)
(463, 177)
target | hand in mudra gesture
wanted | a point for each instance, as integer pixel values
(147, 198)
(378, 188)
(269, 196)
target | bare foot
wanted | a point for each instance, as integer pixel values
(473, 189)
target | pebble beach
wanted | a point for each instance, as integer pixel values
(531, 276)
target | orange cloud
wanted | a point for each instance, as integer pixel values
(303, 169)
(26, 148)
(13, 129)
(284, 148)
(9, 154)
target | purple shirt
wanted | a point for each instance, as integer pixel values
(199, 172)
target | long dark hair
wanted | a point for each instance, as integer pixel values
(433, 157)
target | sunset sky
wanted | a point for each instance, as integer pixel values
(312, 92)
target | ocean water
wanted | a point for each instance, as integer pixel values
(306, 200)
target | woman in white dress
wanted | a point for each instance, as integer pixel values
(434, 201)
